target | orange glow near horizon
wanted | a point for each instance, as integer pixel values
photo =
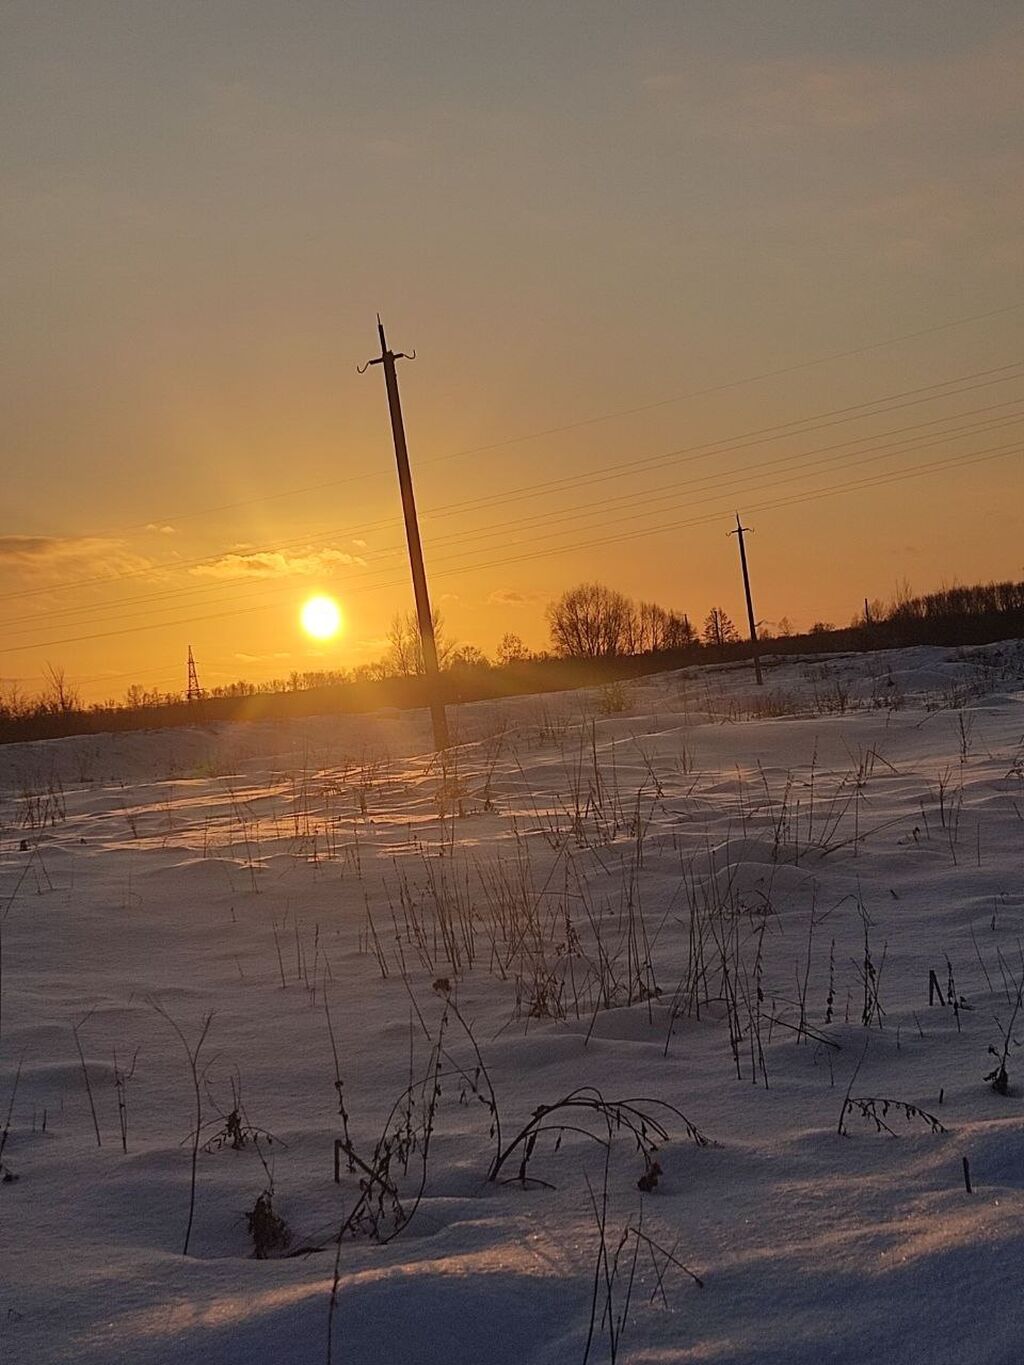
(660, 266)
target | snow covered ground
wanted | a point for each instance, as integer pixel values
(720, 903)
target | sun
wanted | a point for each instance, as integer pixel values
(321, 617)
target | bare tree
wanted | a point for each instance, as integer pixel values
(595, 622)
(404, 658)
(658, 629)
(511, 649)
(592, 622)
(59, 696)
(651, 628)
(13, 702)
(679, 631)
(718, 629)
(466, 657)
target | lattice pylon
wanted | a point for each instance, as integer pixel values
(194, 692)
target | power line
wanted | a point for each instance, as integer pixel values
(594, 420)
(857, 486)
(818, 421)
(732, 384)
(799, 466)
(879, 481)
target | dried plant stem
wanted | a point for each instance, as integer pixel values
(85, 1075)
(192, 1052)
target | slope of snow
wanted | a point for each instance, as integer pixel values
(723, 899)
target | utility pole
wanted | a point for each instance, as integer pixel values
(412, 534)
(750, 605)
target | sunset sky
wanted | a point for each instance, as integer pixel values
(659, 261)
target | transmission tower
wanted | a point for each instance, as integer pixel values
(194, 692)
(412, 534)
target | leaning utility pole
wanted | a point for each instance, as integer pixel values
(412, 534)
(750, 605)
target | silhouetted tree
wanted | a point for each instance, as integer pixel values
(308, 679)
(656, 629)
(466, 656)
(405, 652)
(59, 697)
(980, 599)
(137, 695)
(511, 649)
(241, 688)
(592, 622)
(679, 631)
(718, 629)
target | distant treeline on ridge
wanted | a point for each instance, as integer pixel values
(598, 635)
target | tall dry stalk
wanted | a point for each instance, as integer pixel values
(192, 1052)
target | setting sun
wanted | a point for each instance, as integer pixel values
(321, 617)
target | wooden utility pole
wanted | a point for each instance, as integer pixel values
(412, 534)
(750, 605)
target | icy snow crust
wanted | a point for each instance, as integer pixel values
(686, 889)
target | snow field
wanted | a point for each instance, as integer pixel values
(720, 903)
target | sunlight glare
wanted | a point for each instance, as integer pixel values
(321, 617)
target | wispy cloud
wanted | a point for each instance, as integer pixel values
(276, 564)
(159, 530)
(512, 597)
(53, 556)
(915, 161)
(811, 93)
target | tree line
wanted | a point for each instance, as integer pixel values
(590, 624)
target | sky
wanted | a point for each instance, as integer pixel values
(658, 262)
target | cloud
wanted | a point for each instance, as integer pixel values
(159, 530)
(23, 549)
(359, 544)
(913, 160)
(262, 658)
(512, 597)
(813, 93)
(924, 224)
(52, 556)
(276, 564)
